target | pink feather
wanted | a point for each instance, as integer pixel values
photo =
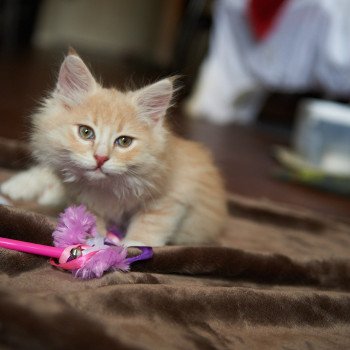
(75, 226)
(112, 258)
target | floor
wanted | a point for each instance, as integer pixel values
(242, 153)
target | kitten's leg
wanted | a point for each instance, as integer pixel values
(37, 183)
(53, 194)
(101, 225)
(156, 226)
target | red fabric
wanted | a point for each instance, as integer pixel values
(262, 15)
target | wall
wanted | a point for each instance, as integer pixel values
(116, 26)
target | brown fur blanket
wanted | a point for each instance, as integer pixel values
(279, 280)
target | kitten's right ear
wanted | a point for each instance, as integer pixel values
(75, 81)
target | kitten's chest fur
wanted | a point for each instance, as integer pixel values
(115, 202)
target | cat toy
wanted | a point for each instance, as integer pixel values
(79, 248)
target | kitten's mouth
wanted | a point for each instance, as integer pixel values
(99, 170)
(96, 173)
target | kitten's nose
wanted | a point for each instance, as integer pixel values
(100, 160)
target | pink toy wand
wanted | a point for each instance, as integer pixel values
(32, 248)
(76, 257)
(79, 248)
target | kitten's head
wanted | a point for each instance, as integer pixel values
(89, 132)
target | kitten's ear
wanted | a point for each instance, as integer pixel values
(75, 81)
(154, 100)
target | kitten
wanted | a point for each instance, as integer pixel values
(111, 151)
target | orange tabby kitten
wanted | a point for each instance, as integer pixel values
(111, 151)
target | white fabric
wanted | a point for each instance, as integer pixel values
(308, 48)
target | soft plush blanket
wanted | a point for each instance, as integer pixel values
(279, 280)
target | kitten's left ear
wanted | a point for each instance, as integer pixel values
(75, 81)
(154, 100)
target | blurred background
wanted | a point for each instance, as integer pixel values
(266, 83)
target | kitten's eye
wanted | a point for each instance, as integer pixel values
(86, 132)
(124, 141)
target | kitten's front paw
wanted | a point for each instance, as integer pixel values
(21, 187)
(52, 195)
(37, 183)
(146, 241)
(129, 243)
(4, 201)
